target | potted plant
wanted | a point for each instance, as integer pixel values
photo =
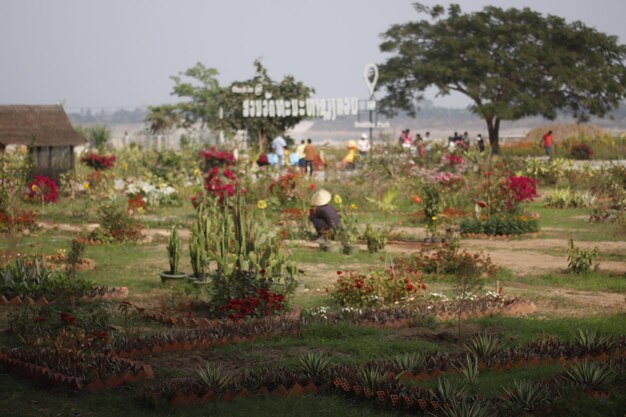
(197, 254)
(376, 238)
(173, 252)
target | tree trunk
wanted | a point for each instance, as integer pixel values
(493, 127)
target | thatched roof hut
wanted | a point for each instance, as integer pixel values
(47, 124)
(46, 131)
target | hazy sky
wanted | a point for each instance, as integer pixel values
(121, 53)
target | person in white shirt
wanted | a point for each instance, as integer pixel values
(363, 145)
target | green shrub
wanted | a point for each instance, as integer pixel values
(581, 260)
(515, 225)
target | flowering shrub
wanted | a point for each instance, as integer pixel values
(214, 158)
(453, 160)
(581, 151)
(376, 288)
(221, 183)
(18, 220)
(98, 162)
(263, 303)
(150, 194)
(446, 260)
(522, 189)
(43, 189)
(285, 187)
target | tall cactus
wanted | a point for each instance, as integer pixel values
(174, 250)
(197, 253)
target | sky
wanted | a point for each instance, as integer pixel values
(110, 54)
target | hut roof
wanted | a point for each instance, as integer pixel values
(48, 124)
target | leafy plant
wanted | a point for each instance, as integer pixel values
(213, 378)
(174, 250)
(385, 204)
(588, 375)
(314, 364)
(581, 260)
(411, 362)
(376, 238)
(484, 346)
(465, 408)
(588, 341)
(468, 370)
(370, 377)
(528, 395)
(448, 391)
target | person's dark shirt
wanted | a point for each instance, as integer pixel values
(326, 213)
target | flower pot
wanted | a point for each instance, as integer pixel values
(332, 247)
(167, 276)
(349, 250)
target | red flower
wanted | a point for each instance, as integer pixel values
(311, 186)
(101, 335)
(40, 318)
(189, 314)
(409, 287)
(339, 272)
(481, 204)
(406, 280)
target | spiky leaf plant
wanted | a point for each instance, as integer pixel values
(484, 346)
(314, 364)
(214, 378)
(588, 341)
(588, 375)
(411, 362)
(466, 409)
(468, 370)
(370, 377)
(449, 391)
(527, 395)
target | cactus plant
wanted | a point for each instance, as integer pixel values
(174, 250)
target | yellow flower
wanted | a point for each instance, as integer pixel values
(140, 210)
(34, 187)
(262, 204)
(162, 185)
(433, 218)
(196, 172)
(338, 199)
(353, 206)
(125, 166)
(523, 218)
(85, 185)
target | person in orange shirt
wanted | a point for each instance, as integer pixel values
(309, 157)
(547, 143)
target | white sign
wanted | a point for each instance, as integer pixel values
(326, 108)
(370, 73)
(372, 125)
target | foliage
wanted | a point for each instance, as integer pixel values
(174, 249)
(347, 231)
(43, 189)
(566, 198)
(116, 225)
(18, 220)
(588, 375)
(588, 341)
(378, 287)
(213, 377)
(99, 136)
(484, 345)
(261, 304)
(376, 238)
(449, 391)
(433, 205)
(314, 365)
(581, 151)
(505, 225)
(141, 193)
(468, 370)
(465, 408)
(386, 203)
(98, 162)
(527, 395)
(285, 187)
(462, 52)
(411, 362)
(579, 260)
(370, 377)
(14, 169)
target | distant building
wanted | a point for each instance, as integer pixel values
(46, 131)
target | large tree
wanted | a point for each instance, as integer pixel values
(221, 108)
(511, 63)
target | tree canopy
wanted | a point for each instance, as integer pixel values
(221, 108)
(511, 63)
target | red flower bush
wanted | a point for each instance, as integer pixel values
(581, 151)
(43, 189)
(214, 158)
(19, 219)
(285, 187)
(221, 183)
(264, 303)
(135, 202)
(98, 162)
(522, 189)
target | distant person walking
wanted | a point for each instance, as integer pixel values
(309, 157)
(363, 145)
(480, 142)
(300, 153)
(278, 146)
(546, 139)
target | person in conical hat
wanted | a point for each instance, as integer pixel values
(323, 216)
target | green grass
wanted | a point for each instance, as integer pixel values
(591, 281)
(523, 330)
(575, 224)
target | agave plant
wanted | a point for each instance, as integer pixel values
(411, 362)
(468, 370)
(449, 391)
(589, 341)
(588, 375)
(465, 408)
(370, 377)
(527, 395)
(214, 378)
(484, 346)
(314, 364)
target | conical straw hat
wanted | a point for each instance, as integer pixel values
(321, 198)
